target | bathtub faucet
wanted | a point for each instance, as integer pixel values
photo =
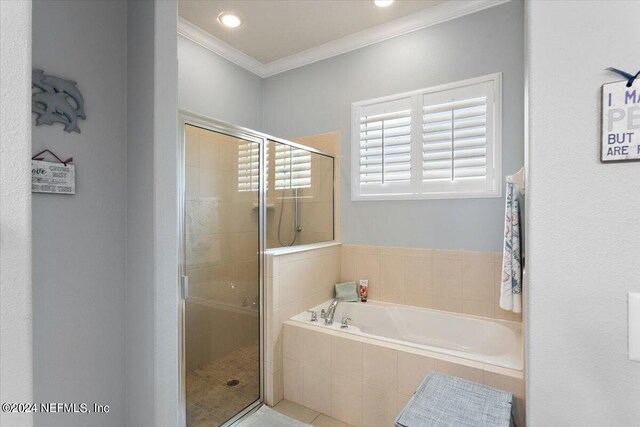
(328, 320)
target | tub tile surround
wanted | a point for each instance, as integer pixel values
(301, 277)
(296, 279)
(457, 281)
(367, 383)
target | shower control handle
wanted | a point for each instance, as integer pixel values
(345, 322)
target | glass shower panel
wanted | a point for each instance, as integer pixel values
(299, 196)
(222, 245)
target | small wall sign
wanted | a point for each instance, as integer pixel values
(620, 121)
(53, 177)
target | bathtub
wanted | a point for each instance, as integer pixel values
(378, 362)
(474, 338)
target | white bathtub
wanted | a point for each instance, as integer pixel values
(494, 342)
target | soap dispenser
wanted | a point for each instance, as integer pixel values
(364, 289)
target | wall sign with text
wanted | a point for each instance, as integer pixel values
(53, 177)
(620, 121)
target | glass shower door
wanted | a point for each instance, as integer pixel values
(222, 246)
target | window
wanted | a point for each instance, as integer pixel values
(249, 166)
(384, 146)
(293, 167)
(434, 143)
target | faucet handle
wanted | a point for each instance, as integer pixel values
(345, 322)
(314, 315)
(323, 313)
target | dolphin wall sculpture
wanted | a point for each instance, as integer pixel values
(56, 100)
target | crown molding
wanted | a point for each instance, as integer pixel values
(215, 45)
(434, 15)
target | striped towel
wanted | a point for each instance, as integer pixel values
(511, 285)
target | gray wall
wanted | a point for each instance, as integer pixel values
(211, 86)
(16, 328)
(79, 241)
(583, 231)
(140, 361)
(317, 98)
(165, 219)
(105, 266)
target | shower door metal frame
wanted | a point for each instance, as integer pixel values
(187, 118)
(190, 119)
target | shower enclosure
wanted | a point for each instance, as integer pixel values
(242, 192)
(299, 196)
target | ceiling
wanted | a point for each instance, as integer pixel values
(272, 30)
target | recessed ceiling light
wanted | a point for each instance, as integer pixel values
(229, 20)
(383, 3)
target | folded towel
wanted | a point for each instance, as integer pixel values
(443, 401)
(347, 291)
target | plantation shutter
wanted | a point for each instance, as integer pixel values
(249, 166)
(293, 167)
(384, 145)
(456, 128)
(434, 143)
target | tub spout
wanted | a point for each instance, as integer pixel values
(331, 311)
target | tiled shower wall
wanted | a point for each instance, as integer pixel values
(222, 241)
(458, 281)
(316, 204)
(329, 143)
(221, 246)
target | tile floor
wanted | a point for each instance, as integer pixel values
(210, 401)
(307, 415)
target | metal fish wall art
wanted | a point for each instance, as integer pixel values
(56, 100)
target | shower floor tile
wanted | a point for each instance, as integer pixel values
(210, 401)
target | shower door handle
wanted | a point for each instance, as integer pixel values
(184, 287)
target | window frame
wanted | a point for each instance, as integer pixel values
(414, 190)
